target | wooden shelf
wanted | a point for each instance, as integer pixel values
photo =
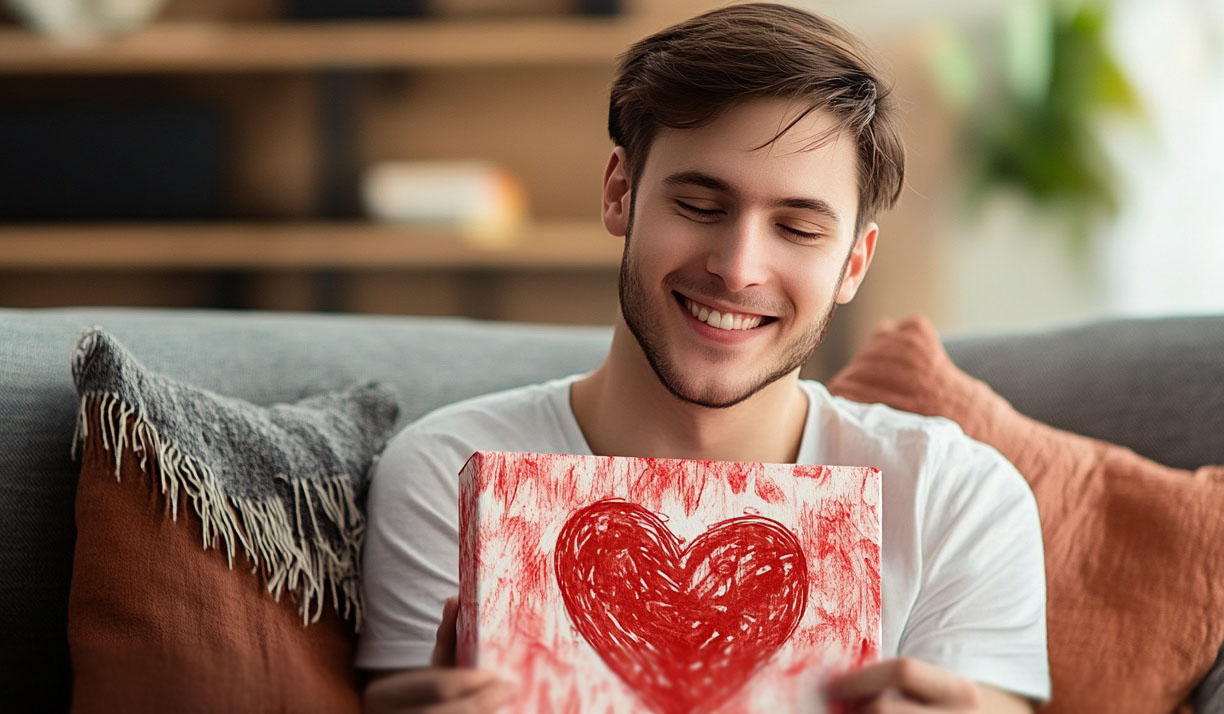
(196, 47)
(286, 246)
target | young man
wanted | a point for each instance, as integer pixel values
(753, 147)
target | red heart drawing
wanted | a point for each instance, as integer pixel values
(684, 628)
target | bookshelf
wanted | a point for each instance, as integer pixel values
(511, 90)
(528, 93)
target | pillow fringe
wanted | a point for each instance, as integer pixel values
(293, 560)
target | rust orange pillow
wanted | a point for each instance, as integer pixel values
(215, 567)
(1135, 610)
(158, 624)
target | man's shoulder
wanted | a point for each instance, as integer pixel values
(865, 432)
(509, 404)
(929, 465)
(516, 419)
(877, 423)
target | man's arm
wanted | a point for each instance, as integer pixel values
(980, 611)
(439, 688)
(997, 701)
(411, 553)
(408, 565)
(906, 685)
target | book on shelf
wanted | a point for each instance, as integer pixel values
(474, 200)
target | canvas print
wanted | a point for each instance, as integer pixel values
(667, 586)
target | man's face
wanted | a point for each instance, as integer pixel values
(735, 258)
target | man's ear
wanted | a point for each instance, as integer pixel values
(859, 261)
(616, 194)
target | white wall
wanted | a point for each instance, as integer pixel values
(1166, 254)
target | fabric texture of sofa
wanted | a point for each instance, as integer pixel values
(1156, 386)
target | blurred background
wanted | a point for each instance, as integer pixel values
(444, 157)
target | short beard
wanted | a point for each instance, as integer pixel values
(645, 328)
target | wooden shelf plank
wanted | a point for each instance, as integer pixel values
(286, 246)
(187, 47)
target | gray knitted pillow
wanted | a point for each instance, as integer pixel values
(282, 483)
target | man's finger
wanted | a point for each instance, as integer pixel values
(427, 686)
(444, 647)
(484, 701)
(913, 678)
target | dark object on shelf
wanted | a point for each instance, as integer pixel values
(599, 7)
(355, 9)
(91, 162)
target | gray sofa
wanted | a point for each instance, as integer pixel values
(1156, 386)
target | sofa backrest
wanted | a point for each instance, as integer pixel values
(1153, 385)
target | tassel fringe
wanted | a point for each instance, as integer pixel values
(290, 548)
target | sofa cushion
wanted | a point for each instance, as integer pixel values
(178, 485)
(1127, 540)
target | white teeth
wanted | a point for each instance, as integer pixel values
(727, 321)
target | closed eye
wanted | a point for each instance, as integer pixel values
(803, 235)
(703, 212)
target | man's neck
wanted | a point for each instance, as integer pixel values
(624, 410)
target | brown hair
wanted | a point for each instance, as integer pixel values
(684, 76)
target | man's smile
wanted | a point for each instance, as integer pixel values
(723, 320)
(723, 325)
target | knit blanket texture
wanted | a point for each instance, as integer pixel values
(283, 484)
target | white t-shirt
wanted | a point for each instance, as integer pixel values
(962, 564)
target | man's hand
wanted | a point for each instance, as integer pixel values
(439, 688)
(909, 686)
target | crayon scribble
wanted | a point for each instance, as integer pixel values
(684, 627)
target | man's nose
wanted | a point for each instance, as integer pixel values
(739, 254)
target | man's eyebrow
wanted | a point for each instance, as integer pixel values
(810, 204)
(704, 180)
